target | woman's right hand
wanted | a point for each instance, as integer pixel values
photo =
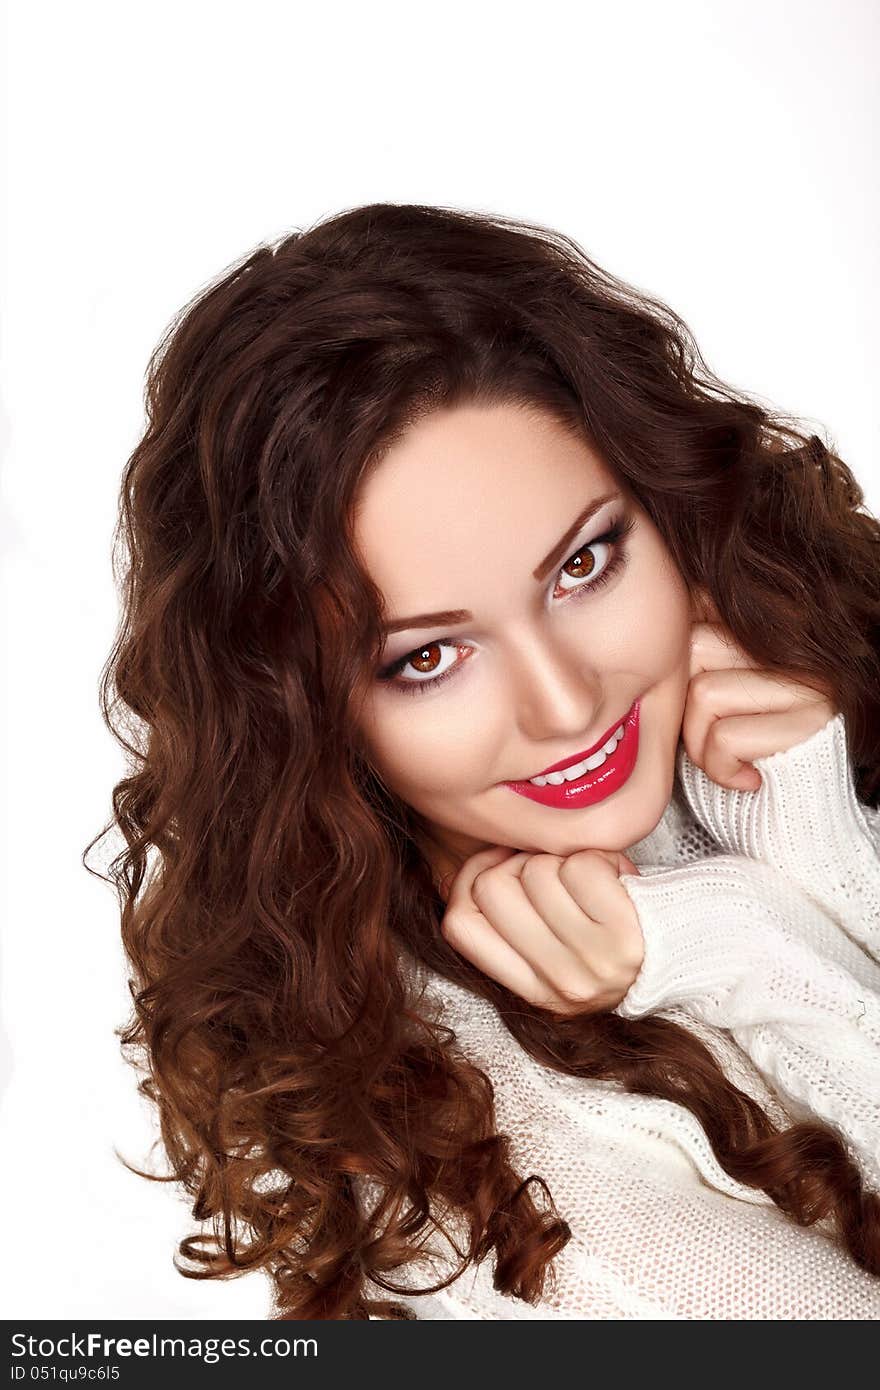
(561, 932)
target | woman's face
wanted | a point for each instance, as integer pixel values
(461, 514)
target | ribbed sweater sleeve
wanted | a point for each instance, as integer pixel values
(806, 820)
(736, 944)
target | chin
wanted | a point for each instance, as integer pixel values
(629, 823)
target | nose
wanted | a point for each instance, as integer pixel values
(555, 692)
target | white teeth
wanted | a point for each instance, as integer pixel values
(610, 746)
(555, 779)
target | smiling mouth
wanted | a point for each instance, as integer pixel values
(572, 785)
(569, 769)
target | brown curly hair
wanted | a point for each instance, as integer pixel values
(277, 1034)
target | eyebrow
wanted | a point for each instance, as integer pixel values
(450, 616)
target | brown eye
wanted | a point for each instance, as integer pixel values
(423, 662)
(425, 665)
(583, 565)
(577, 567)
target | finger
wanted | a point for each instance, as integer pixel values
(548, 888)
(471, 933)
(714, 646)
(551, 900)
(474, 937)
(733, 744)
(625, 865)
(499, 894)
(723, 736)
(592, 878)
(455, 887)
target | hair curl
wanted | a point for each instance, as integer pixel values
(277, 1034)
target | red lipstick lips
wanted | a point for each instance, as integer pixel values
(590, 786)
(579, 757)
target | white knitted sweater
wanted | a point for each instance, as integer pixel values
(761, 917)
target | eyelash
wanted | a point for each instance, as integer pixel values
(613, 536)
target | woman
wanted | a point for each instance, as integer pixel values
(418, 1015)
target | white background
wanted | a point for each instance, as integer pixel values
(720, 155)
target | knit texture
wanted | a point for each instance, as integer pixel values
(761, 917)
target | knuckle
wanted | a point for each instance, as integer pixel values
(606, 973)
(539, 866)
(632, 964)
(478, 890)
(582, 857)
(582, 864)
(449, 925)
(584, 983)
(483, 884)
(529, 870)
(570, 872)
(710, 743)
(580, 992)
(572, 972)
(700, 687)
(632, 947)
(718, 741)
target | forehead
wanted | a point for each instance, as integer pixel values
(463, 486)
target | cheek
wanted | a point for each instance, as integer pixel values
(643, 632)
(425, 747)
(661, 636)
(650, 629)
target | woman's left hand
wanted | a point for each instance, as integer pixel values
(736, 712)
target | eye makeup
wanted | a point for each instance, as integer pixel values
(614, 536)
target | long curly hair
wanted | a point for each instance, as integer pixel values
(271, 885)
